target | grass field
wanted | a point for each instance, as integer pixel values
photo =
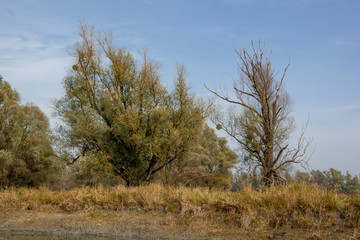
(295, 206)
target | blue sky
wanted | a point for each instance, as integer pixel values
(321, 37)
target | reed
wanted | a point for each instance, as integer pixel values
(297, 205)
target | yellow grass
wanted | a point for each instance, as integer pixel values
(294, 205)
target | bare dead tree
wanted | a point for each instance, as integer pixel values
(264, 126)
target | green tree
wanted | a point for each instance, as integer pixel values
(242, 179)
(26, 155)
(319, 177)
(118, 107)
(302, 177)
(264, 126)
(93, 170)
(352, 184)
(334, 178)
(208, 163)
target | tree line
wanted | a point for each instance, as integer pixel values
(330, 179)
(121, 125)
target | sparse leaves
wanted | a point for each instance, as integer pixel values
(264, 126)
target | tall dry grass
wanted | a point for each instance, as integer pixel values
(297, 205)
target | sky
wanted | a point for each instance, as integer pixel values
(321, 39)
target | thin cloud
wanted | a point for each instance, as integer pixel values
(17, 43)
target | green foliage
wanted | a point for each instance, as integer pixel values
(331, 179)
(208, 163)
(334, 179)
(241, 180)
(26, 155)
(119, 108)
(92, 170)
(352, 184)
(302, 177)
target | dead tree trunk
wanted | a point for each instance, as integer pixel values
(264, 125)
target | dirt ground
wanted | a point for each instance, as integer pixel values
(144, 225)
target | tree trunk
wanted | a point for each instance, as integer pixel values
(269, 178)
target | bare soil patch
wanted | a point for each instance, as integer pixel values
(147, 225)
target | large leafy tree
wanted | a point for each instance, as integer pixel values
(119, 109)
(263, 127)
(26, 155)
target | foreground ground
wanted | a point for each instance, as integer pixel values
(155, 212)
(132, 225)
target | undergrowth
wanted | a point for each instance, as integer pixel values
(298, 205)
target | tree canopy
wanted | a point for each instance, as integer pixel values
(118, 108)
(26, 154)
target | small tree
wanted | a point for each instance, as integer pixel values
(208, 163)
(319, 177)
(334, 178)
(119, 108)
(302, 177)
(263, 127)
(352, 184)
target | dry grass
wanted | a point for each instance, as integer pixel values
(293, 206)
